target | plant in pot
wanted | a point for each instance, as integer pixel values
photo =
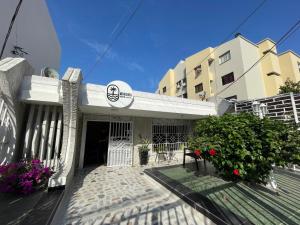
(143, 150)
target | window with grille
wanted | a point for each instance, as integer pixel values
(169, 137)
(199, 88)
(225, 57)
(228, 78)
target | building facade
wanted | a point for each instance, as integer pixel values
(68, 124)
(203, 75)
(33, 35)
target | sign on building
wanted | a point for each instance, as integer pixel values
(119, 94)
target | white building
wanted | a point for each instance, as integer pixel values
(69, 125)
(32, 33)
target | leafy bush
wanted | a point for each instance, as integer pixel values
(290, 86)
(24, 177)
(245, 147)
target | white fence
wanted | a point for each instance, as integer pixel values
(169, 137)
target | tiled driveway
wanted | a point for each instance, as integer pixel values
(125, 196)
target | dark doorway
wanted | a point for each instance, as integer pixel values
(96, 144)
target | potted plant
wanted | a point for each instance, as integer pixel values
(143, 151)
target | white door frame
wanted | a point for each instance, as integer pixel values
(98, 118)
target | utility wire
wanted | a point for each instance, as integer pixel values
(236, 29)
(228, 36)
(10, 27)
(283, 38)
(109, 46)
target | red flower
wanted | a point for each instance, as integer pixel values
(197, 152)
(236, 172)
(212, 152)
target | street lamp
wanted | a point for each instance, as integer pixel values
(263, 110)
(256, 108)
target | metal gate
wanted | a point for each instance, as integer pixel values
(120, 144)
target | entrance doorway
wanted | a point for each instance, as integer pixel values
(96, 144)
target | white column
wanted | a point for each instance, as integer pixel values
(28, 134)
(294, 108)
(1, 106)
(57, 141)
(45, 131)
(37, 131)
(51, 136)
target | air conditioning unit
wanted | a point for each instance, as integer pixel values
(201, 93)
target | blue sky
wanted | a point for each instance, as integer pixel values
(161, 33)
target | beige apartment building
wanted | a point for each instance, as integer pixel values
(204, 74)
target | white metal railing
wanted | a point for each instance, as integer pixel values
(169, 137)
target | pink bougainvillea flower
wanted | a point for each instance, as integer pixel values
(212, 152)
(36, 161)
(236, 172)
(47, 171)
(3, 169)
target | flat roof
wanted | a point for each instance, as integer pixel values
(92, 100)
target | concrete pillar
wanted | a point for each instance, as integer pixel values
(12, 71)
(44, 135)
(51, 136)
(70, 85)
(37, 133)
(57, 142)
(28, 134)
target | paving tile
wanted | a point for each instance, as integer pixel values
(125, 195)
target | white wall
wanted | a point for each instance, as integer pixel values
(33, 30)
(243, 56)
(254, 80)
(179, 71)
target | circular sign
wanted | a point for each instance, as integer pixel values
(119, 94)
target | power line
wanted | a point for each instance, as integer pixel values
(236, 29)
(292, 30)
(10, 27)
(228, 36)
(109, 46)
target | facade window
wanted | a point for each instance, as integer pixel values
(198, 88)
(198, 71)
(228, 78)
(225, 57)
(299, 66)
(164, 89)
(231, 97)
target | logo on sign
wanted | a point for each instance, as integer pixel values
(113, 93)
(119, 94)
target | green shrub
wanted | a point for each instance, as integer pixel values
(246, 146)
